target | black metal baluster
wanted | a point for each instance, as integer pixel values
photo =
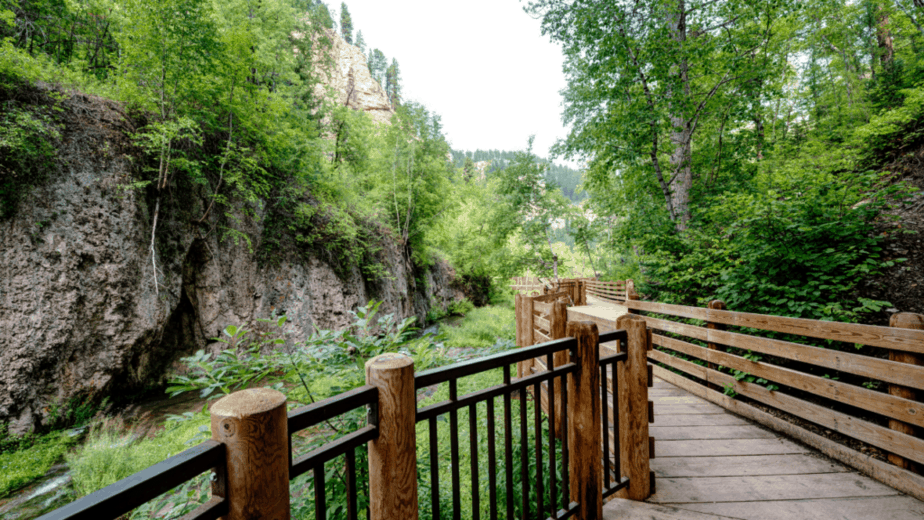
(606, 430)
(537, 421)
(434, 471)
(508, 442)
(553, 470)
(473, 443)
(454, 452)
(566, 474)
(616, 462)
(492, 460)
(351, 483)
(320, 499)
(524, 455)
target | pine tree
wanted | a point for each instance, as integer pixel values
(392, 83)
(377, 64)
(360, 42)
(346, 23)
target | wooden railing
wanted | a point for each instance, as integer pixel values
(253, 457)
(545, 318)
(884, 419)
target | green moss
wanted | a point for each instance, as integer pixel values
(18, 468)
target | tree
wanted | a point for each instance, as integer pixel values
(377, 65)
(360, 42)
(346, 23)
(531, 207)
(647, 75)
(393, 83)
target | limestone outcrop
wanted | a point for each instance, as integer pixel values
(352, 84)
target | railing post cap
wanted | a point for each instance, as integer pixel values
(627, 318)
(389, 361)
(251, 401)
(907, 320)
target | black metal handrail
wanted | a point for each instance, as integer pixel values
(559, 506)
(125, 495)
(321, 411)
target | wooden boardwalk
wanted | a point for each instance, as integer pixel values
(713, 464)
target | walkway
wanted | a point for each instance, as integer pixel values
(713, 464)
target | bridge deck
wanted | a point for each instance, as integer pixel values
(711, 463)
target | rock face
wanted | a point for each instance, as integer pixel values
(79, 313)
(351, 82)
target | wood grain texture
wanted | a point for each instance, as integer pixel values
(900, 479)
(866, 508)
(715, 305)
(559, 320)
(632, 381)
(767, 487)
(393, 455)
(889, 405)
(585, 424)
(673, 433)
(728, 447)
(743, 465)
(879, 436)
(905, 320)
(907, 340)
(253, 426)
(622, 509)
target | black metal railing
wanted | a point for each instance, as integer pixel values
(613, 480)
(365, 397)
(550, 504)
(125, 495)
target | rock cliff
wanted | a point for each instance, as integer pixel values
(352, 84)
(79, 314)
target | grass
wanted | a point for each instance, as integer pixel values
(111, 453)
(482, 327)
(18, 468)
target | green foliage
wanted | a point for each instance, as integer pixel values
(483, 327)
(20, 465)
(27, 151)
(346, 23)
(110, 453)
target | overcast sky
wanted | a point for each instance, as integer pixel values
(483, 65)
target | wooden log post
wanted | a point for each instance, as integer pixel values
(527, 324)
(905, 320)
(720, 306)
(631, 294)
(632, 380)
(558, 321)
(585, 423)
(253, 426)
(393, 455)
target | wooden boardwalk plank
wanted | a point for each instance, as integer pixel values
(687, 409)
(773, 487)
(878, 508)
(743, 466)
(676, 399)
(727, 447)
(697, 420)
(674, 433)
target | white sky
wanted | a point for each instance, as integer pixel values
(482, 65)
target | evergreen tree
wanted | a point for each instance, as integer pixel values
(346, 23)
(377, 65)
(392, 83)
(360, 42)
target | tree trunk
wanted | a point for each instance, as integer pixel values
(682, 133)
(884, 37)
